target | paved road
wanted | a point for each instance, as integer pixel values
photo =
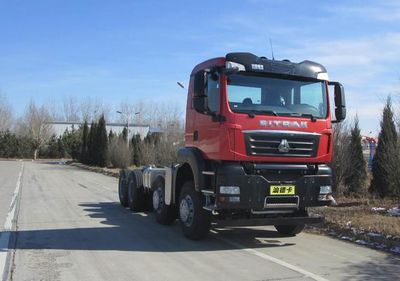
(70, 227)
(10, 182)
(9, 171)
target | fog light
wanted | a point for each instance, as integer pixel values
(325, 189)
(229, 189)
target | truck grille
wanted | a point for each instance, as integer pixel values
(266, 143)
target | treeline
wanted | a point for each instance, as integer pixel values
(32, 135)
(102, 149)
(13, 145)
(93, 145)
(350, 175)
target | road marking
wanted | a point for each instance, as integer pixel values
(6, 234)
(270, 258)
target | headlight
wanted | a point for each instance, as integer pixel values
(229, 189)
(325, 189)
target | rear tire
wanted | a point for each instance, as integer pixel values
(148, 205)
(289, 230)
(164, 214)
(195, 221)
(123, 189)
(136, 198)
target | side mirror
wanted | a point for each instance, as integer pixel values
(340, 101)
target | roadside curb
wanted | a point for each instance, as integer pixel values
(99, 170)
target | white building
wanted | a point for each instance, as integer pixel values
(59, 127)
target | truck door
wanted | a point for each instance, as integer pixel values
(206, 128)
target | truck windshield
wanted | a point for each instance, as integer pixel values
(276, 96)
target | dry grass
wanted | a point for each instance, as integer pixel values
(357, 213)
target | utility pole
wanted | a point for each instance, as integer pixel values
(127, 116)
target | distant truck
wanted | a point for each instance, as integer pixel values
(258, 139)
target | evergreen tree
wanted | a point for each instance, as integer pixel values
(50, 150)
(111, 136)
(152, 139)
(60, 148)
(124, 134)
(72, 142)
(84, 148)
(136, 144)
(8, 144)
(356, 173)
(92, 143)
(102, 143)
(24, 146)
(12, 146)
(385, 165)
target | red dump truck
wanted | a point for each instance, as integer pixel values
(258, 138)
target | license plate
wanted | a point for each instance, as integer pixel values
(282, 190)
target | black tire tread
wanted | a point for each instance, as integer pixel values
(202, 219)
(123, 184)
(136, 198)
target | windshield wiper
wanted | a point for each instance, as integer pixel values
(309, 115)
(272, 112)
(312, 117)
(253, 113)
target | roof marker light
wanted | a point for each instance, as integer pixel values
(322, 76)
(233, 65)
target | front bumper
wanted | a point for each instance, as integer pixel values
(255, 186)
(314, 219)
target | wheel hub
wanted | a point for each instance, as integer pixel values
(157, 199)
(186, 210)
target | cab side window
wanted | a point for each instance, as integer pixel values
(213, 92)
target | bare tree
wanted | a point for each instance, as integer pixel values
(35, 125)
(136, 112)
(5, 113)
(70, 109)
(53, 108)
(167, 117)
(91, 109)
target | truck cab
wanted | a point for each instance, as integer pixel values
(237, 103)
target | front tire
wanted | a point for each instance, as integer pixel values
(289, 230)
(164, 214)
(136, 198)
(195, 221)
(123, 188)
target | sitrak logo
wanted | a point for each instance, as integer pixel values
(283, 124)
(284, 146)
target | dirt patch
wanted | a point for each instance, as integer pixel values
(363, 221)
